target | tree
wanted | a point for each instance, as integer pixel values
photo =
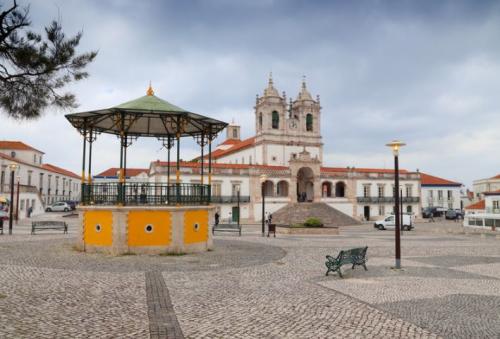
(34, 69)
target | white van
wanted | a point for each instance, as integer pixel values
(389, 222)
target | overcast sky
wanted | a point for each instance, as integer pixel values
(426, 72)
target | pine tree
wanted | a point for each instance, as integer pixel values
(34, 69)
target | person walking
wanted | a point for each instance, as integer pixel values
(217, 218)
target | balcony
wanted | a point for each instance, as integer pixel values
(229, 199)
(386, 200)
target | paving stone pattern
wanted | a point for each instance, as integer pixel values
(162, 319)
(254, 287)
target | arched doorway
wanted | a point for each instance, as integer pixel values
(269, 188)
(305, 185)
(340, 189)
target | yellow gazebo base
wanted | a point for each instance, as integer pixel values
(119, 230)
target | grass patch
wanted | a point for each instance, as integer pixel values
(172, 254)
(2, 296)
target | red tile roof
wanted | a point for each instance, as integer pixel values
(492, 192)
(480, 205)
(60, 170)
(496, 177)
(361, 170)
(237, 145)
(17, 145)
(430, 180)
(132, 172)
(193, 164)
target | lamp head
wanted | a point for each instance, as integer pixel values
(13, 166)
(396, 145)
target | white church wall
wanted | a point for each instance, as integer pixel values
(270, 208)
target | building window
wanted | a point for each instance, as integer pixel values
(409, 189)
(381, 192)
(309, 122)
(431, 195)
(235, 134)
(216, 190)
(450, 194)
(29, 177)
(496, 204)
(250, 160)
(440, 195)
(450, 205)
(381, 210)
(275, 120)
(235, 189)
(34, 158)
(366, 191)
(13, 154)
(260, 120)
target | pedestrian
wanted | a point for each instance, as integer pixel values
(30, 210)
(217, 217)
(270, 219)
(431, 218)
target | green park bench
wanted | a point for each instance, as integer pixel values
(354, 257)
(49, 225)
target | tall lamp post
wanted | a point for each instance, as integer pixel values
(17, 198)
(263, 179)
(13, 168)
(396, 145)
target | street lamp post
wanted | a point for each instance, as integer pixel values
(12, 168)
(17, 198)
(401, 208)
(396, 145)
(263, 179)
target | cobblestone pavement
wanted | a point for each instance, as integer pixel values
(254, 287)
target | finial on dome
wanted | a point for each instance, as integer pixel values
(270, 78)
(150, 91)
(304, 82)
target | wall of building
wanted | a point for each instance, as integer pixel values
(430, 196)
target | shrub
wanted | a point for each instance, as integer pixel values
(313, 222)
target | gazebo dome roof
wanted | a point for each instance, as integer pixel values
(148, 115)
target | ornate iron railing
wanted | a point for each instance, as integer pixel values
(133, 193)
(382, 200)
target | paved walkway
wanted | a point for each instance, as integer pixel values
(253, 287)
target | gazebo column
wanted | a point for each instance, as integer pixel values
(202, 159)
(83, 165)
(178, 169)
(121, 200)
(209, 167)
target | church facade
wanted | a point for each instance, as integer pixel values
(287, 150)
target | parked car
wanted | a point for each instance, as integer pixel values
(433, 211)
(60, 206)
(454, 214)
(389, 222)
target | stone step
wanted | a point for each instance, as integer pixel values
(294, 213)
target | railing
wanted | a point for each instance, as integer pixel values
(228, 199)
(492, 210)
(386, 200)
(134, 193)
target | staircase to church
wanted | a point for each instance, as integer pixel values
(296, 213)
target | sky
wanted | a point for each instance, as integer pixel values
(425, 72)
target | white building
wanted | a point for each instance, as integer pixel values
(40, 184)
(485, 213)
(485, 185)
(439, 192)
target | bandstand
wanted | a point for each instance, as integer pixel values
(122, 217)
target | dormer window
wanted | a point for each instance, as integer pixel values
(275, 120)
(309, 122)
(13, 154)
